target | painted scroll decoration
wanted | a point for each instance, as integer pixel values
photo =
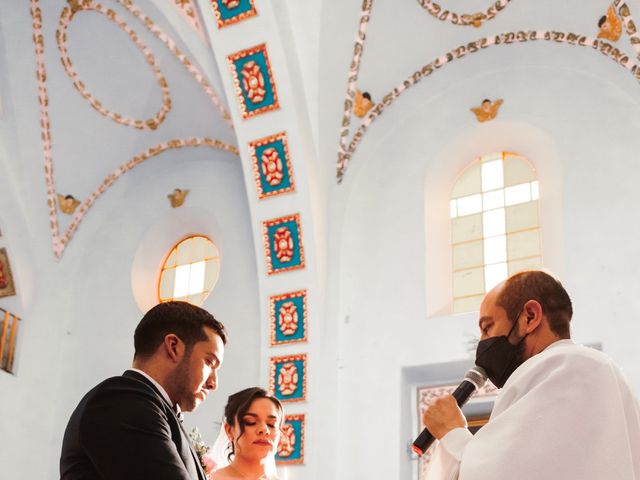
(189, 12)
(272, 165)
(288, 378)
(60, 241)
(464, 19)
(348, 144)
(291, 447)
(253, 81)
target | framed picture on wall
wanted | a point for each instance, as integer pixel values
(7, 288)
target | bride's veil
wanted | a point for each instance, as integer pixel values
(222, 446)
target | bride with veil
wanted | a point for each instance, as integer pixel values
(248, 440)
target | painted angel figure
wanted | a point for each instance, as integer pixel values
(363, 104)
(610, 26)
(487, 110)
(67, 203)
(177, 197)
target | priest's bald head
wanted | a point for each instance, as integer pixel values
(532, 309)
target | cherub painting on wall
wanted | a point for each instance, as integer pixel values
(7, 287)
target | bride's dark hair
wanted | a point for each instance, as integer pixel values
(238, 405)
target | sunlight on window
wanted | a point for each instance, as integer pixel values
(494, 225)
(494, 274)
(190, 271)
(517, 194)
(492, 177)
(493, 222)
(469, 205)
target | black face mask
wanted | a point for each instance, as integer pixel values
(499, 357)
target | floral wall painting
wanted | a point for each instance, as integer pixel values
(229, 12)
(291, 446)
(610, 26)
(253, 81)
(7, 288)
(362, 104)
(178, 197)
(272, 165)
(487, 110)
(288, 378)
(282, 239)
(67, 203)
(288, 318)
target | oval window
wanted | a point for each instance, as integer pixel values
(190, 271)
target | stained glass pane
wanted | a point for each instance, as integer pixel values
(466, 228)
(467, 304)
(532, 263)
(523, 244)
(467, 255)
(522, 217)
(517, 170)
(468, 183)
(468, 282)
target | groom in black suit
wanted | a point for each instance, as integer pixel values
(129, 427)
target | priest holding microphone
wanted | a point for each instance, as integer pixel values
(564, 412)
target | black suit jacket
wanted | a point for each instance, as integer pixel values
(124, 430)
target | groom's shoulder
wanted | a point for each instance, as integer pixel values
(123, 386)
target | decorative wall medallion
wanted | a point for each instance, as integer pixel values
(282, 239)
(177, 197)
(7, 288)
(363, 104)
(232, 11)
(610, 26)
(272, 165)
(291, 447)
(253, 81)
(288, 318)
(288, 378)
(67, 203)
(487, 110)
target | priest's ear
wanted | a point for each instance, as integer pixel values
(533, 313)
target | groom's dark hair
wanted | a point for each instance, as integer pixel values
(180, 318)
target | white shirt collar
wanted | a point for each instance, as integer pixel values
(559, 343)
(162, 391)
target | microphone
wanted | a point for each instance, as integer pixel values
(474, 380)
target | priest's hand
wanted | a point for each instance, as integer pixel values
(443, 415)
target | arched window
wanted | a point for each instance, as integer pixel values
(190, 271)
(495, 229)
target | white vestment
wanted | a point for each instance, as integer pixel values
(565, 414)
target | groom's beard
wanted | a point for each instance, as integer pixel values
(184, 385)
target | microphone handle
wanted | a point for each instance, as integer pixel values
(461, 394)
